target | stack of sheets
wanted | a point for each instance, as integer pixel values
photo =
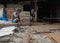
(25, 18)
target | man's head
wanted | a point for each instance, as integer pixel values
(18, 10)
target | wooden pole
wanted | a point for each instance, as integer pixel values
(26, 38)
(51, 38)
(35, 10)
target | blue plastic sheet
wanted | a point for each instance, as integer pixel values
(3, 18)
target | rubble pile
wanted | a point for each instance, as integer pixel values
(26, 35)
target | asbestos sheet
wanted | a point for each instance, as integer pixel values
(5, 22)
(7, 30)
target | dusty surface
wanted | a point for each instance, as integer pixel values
(34, 31)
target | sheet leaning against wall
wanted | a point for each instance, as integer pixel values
(1, 10)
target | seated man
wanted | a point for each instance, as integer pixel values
(15, 17)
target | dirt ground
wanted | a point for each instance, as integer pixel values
(36, 32)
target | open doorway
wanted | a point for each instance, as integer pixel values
(42, 11)
(26, 8)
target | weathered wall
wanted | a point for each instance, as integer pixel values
(11, 7)
(15, 6)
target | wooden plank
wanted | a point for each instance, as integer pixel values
(55, 37)
(9, 24)
(51, 38)
(26, 38)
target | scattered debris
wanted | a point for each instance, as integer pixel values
(27, 35)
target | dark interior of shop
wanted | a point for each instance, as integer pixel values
(48, 10)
